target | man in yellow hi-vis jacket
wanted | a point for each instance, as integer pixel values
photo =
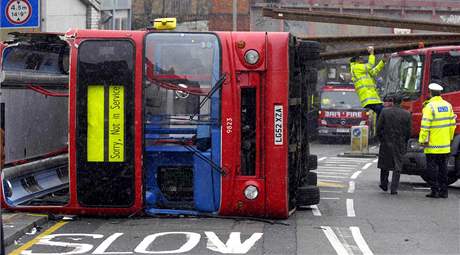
(436, 133)
(363, 76)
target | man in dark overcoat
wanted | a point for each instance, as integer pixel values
(393, 131)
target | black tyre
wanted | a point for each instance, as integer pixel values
(311, 75)
(309, 52)
(312, 178)
(307, 195)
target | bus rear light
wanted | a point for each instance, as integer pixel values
(251, 57)
(251, 192)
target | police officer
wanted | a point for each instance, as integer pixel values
(363, 76)
(436, 132)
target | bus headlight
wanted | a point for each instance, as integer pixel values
(362, 123)
(251, 192)
(251, 57)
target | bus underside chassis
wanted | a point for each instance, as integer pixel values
(303, 189)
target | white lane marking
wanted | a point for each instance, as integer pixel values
(348, 160)
(334, 240)
(421, 188)
(359, 240)
(375, 160)
(351, 187)
(343, 239)
(355, 175)
(332, 172)
(321, 159)
(337, 164)
(350, 209)
(327, 180)
(331, 176)
(366, 166)
(330, 191)
(331, 198)
(332, 168)
(315, 210)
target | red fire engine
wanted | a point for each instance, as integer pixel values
(409, 74)
(164, 123)
(339, 110)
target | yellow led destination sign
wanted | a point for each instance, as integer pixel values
(95, 140)
(116, 124)
(106, 137)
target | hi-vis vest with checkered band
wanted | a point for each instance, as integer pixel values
(362, 76)
(438, 126)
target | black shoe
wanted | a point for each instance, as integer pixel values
(433, 195)
(443, 195)
(394, 193)
(384, 188)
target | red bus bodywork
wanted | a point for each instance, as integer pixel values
(271, 78)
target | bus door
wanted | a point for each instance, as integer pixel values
(104, 147)
(182, 131)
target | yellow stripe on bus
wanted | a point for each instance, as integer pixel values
(95, 139)
(116, 124)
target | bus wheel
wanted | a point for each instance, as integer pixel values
(307, 195)
(312, 178)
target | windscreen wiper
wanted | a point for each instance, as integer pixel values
(215, 88)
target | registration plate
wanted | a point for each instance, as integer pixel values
(343, 130)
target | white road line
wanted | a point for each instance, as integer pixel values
(327, 180)
(359, 240)
(334, 167)
(321, 159)
(332, 172)
(336, 244)
(315, 210)
(330, 191)
(351, 187)
(366, 166)
(355, 175)
(332, 176)
(331, 198)
(348, 159)
(350, 209)
(375, 160)
(422, 188)
(338, 165)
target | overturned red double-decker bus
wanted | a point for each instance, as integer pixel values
(131, 122)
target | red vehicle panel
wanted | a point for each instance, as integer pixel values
(203, 129)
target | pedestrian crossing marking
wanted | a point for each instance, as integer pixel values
(330, 184)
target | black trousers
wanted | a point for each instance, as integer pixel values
(397, 161)
(436, 167)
